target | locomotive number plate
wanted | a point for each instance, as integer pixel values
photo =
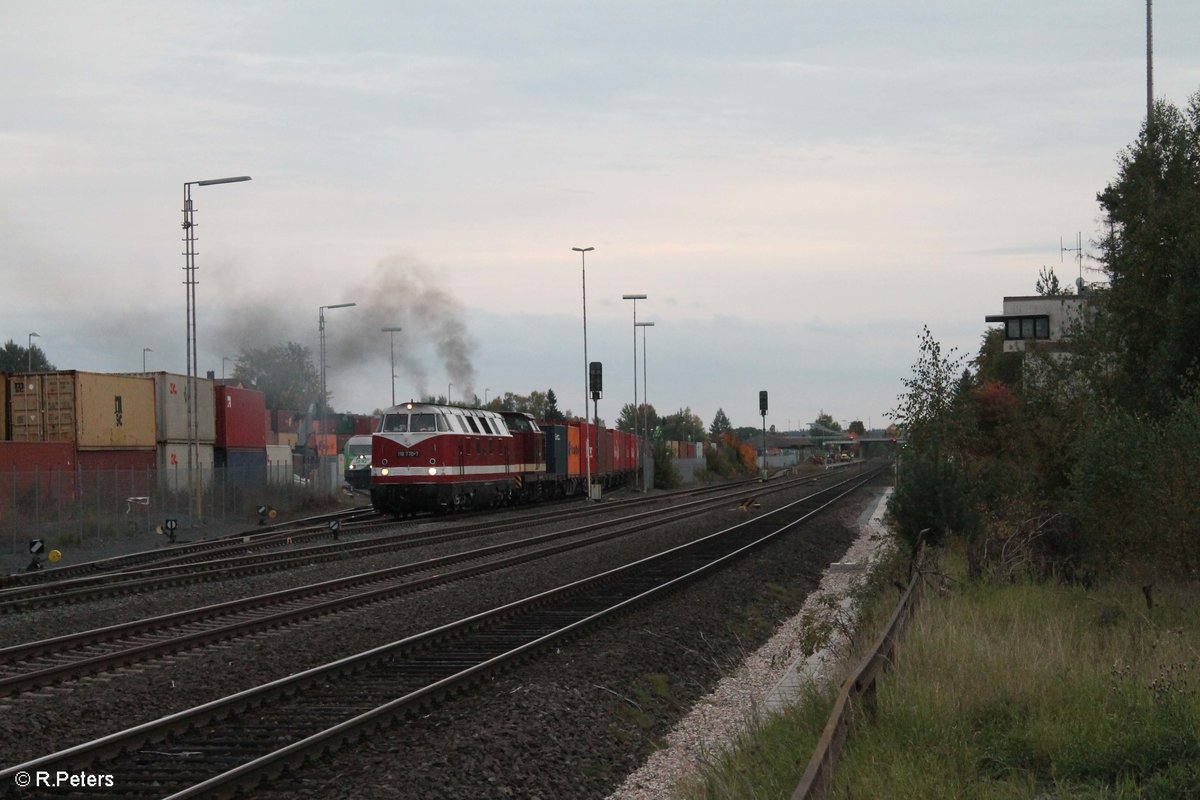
(407, 454)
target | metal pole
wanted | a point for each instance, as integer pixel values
(636, 411)
(645, 387)
(324, 391)
(1149, 67)
(764, 444)
(29, 353)
(587, 442)
(392, 332)
(193, 364)
(189, 280)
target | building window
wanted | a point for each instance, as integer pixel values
(1027, 327)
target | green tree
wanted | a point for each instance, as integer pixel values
(646, 418)
(857, 428)
(285, 373)
(720, 424)
(682, 426)
(1047, 284)
(1151, 254)
(993, 364)
(15, 358)
(551, 412)
(932, 493)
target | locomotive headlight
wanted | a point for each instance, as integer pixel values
(433, 470)
(384, 472)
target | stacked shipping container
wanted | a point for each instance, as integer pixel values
(241, 439)
(171, 413)
(109, 421)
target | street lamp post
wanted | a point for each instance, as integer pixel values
(193, 367)
(29, 353)
(636, 414)
(392, 332)
(645, 387)
(324, 391)
(587, 442)
(449, 386)
(144, 351)
(485, 396)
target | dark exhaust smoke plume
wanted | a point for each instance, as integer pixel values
(398, 293)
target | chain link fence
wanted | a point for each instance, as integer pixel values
(92, 508)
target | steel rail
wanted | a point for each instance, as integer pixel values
(422, 666)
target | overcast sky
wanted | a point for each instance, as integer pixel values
(798, 187)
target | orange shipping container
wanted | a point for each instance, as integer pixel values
(326, 444)
(574, 461)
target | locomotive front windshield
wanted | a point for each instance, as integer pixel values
(428, 423)
(395, 423)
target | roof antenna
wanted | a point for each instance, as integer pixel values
(1077, 250)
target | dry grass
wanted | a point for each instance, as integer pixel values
(1016, 691)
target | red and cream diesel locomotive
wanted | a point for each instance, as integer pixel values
(429, 457)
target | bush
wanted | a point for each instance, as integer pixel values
(932, 496)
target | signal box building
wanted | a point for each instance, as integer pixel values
(1039, 321)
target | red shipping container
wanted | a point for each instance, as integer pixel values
(284, 421)
(137, 460)
(240, 415)
(127, 473)
(48, 467)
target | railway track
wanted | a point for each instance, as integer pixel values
(280, 552)
(283, 534)
(34, 664)
(235, 743)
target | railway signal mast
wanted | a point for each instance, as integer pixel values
(596, 381)
(762, 407)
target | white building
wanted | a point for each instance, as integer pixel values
(1039, 321)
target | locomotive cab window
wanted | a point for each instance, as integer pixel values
(442, 424)
(474, 427)
(395, 423)
(423, 423)
(486, 428)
